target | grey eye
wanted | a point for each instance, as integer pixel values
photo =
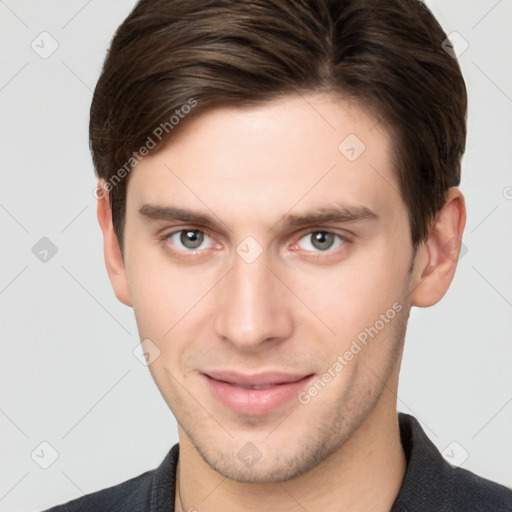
(189, 238)
(321, 241)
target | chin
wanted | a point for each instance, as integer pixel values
(269, 469)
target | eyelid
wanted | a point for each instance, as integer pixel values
(344, 233)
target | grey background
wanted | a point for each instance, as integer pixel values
(68, 374)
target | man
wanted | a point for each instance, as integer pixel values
(278, 186)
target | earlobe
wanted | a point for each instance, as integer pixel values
(112, 252)
(437, 257)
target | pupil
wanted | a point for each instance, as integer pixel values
(191, 239)
(322, 240)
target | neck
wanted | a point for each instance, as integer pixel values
(365, 474)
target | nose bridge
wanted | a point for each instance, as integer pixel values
(251, 308)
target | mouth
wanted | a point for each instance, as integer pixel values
(257, 394)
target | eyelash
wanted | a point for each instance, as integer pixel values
(312, 254)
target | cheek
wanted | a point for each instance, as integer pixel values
(352, 296)
(165, 296)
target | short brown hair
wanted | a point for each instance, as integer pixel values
(387, 55)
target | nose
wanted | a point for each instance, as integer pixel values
(252, 305)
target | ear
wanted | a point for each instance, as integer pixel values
(112, 252)
(438, 255)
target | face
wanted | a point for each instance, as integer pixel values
(267, 257)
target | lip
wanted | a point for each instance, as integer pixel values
(279, 389)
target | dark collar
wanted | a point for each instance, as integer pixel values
(430, 483)
(427, 479)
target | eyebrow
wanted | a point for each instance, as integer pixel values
(323, 215)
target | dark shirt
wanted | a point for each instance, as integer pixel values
(430, 484)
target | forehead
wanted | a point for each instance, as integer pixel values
(291, 153)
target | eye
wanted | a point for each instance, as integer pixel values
(321, 241)
(189, 239)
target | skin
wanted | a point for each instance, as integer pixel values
(295, 308)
